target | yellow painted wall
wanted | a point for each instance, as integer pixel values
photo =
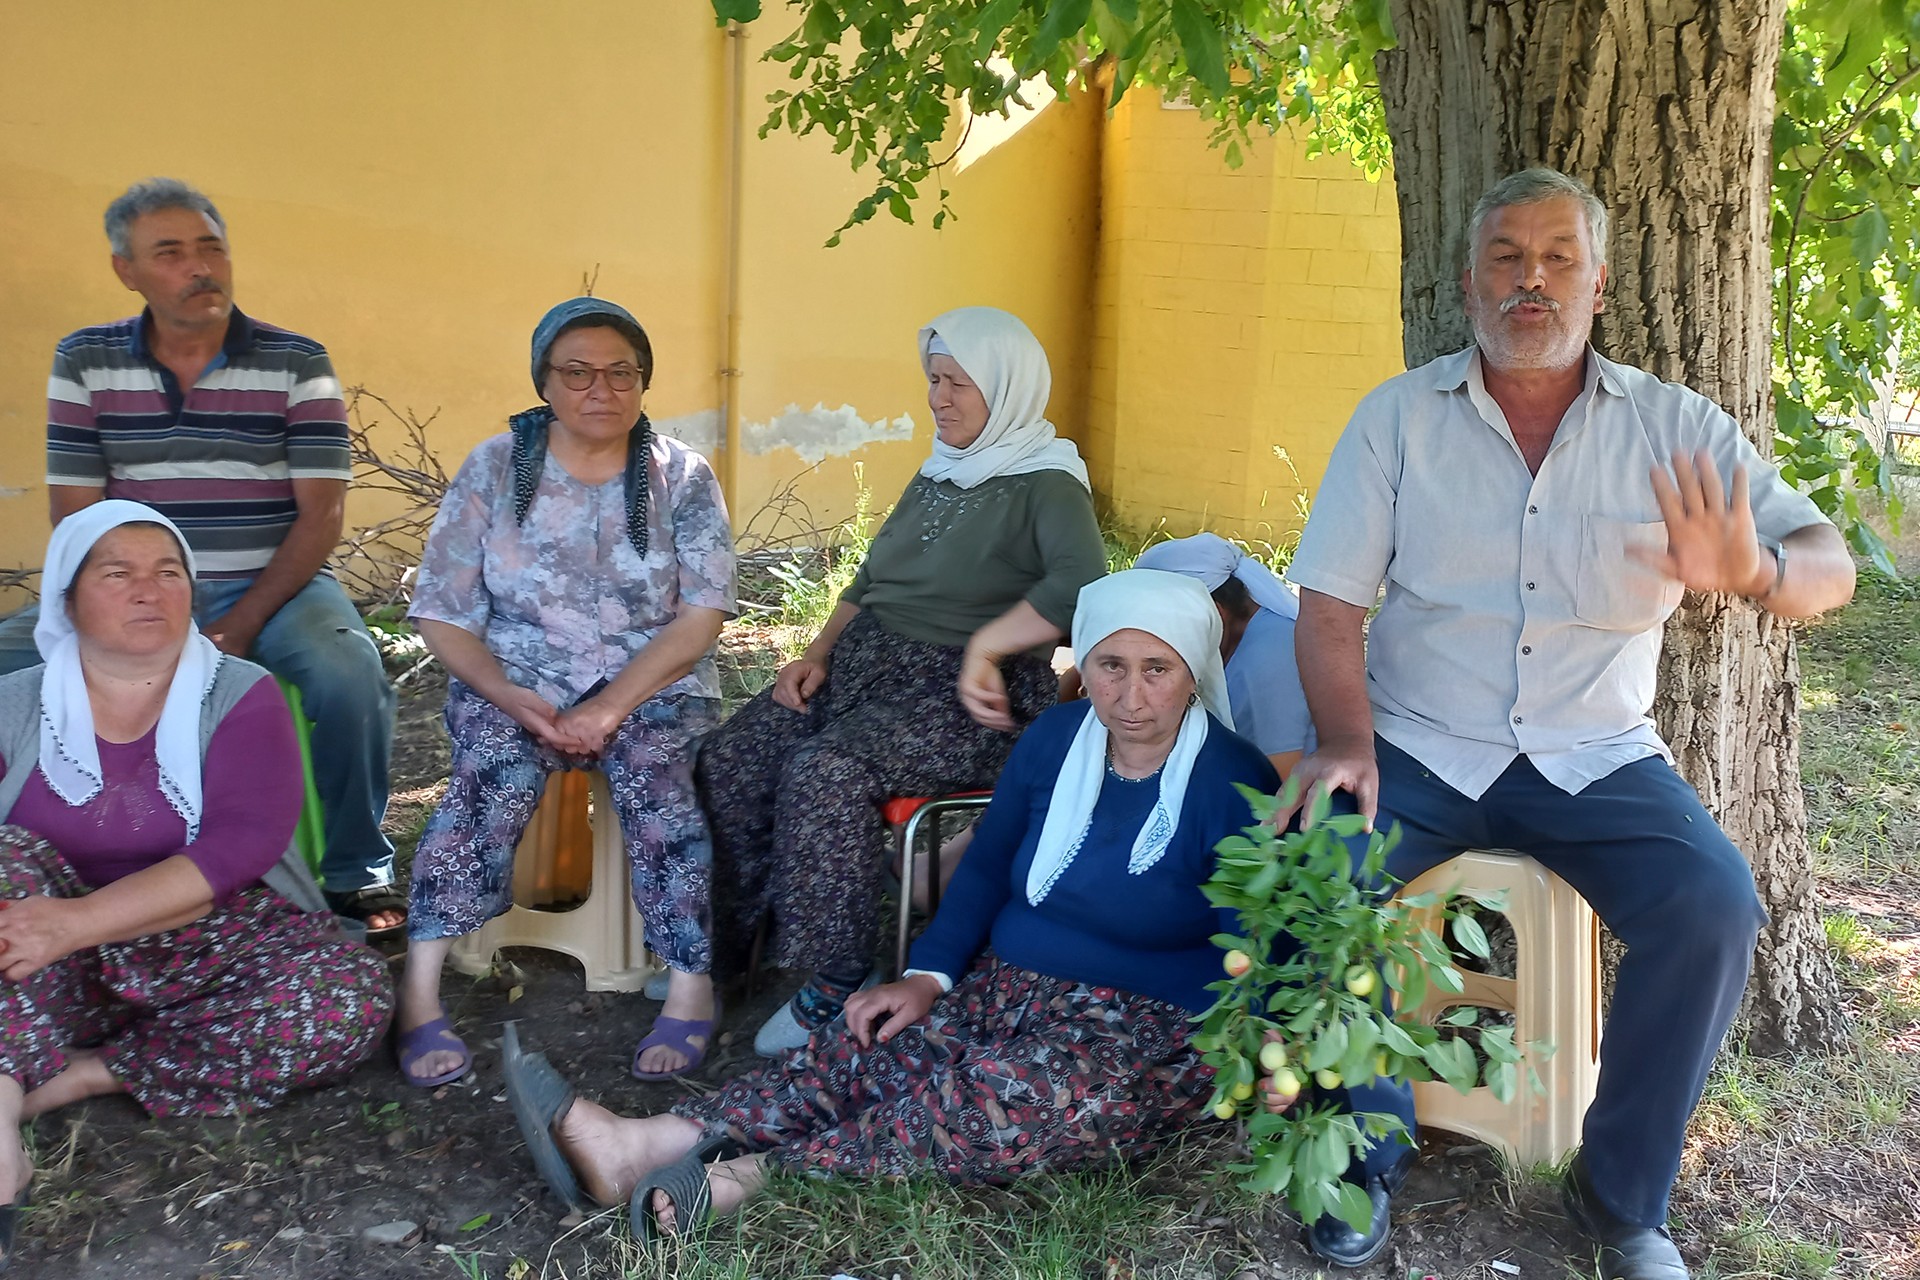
(1238, 312)
(414, 184)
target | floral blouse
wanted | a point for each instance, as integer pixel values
(564, 601)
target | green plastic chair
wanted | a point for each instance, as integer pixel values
(310, 835)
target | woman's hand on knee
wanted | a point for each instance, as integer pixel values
(36, 931)
(798, 681)
(891, 1008)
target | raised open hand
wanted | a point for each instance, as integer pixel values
(1711, 543)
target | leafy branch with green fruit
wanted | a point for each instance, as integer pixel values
(1303, 1009)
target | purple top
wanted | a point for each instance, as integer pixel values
(251, 793)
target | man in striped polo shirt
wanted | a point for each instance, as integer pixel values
(236, 431)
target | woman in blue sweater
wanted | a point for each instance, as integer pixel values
(1044, 1021)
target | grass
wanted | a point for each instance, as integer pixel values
(1117, 1223)
(1796, 1167)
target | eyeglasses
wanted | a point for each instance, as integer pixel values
(580, 377)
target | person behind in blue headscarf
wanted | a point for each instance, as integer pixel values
(1045, 1022)
(574, 585)
(1257, 612)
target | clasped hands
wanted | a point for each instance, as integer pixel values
(579, 734)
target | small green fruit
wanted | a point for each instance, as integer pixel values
(1286, 1082)
(1243, 1091)
(1327, 1078)
(1361, 980)
(1380, 1063)
(1273, 1056)
(1225, 1109)
(1237, 963)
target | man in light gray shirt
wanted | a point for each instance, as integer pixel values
(1535, 512)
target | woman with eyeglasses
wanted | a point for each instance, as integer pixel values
(573, 584)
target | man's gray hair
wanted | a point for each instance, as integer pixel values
(152, 196)
(1531, 186)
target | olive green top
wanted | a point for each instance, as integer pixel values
(950, 560)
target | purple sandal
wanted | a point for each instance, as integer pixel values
(430, 1037)
(677, 1033)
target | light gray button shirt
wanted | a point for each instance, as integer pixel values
(1514, 620)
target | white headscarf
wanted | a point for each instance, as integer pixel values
(69, 751)
(1009, 366)
(1210, 559)
(1179, 611)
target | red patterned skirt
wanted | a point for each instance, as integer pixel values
(1010, 1073)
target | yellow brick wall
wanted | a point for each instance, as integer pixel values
(414, 184)
(1239, 317)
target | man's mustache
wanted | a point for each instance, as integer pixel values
(200, 286)
(1528, 297)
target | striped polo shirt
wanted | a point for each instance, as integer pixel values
(218, 459)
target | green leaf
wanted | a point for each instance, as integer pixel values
(474, 1224)
(1064, 20)
(1870, 234)
(822, 26)
(1201, 46)
(725, 11)
(1503, 1079)
(1354, 1207)
(1468, 933)
(992, 24)
(1329, 1047)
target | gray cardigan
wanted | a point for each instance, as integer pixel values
(20, 743)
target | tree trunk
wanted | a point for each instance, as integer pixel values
(1666, 109)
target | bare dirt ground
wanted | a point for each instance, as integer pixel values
(291, 1193)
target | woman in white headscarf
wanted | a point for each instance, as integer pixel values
(159, 936)
(1045, 1024)
(933, 661)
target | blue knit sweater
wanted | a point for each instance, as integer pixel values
(1148, 933)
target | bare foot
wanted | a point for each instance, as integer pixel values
(15, 1168)
(731, 1183)
(690, 998)
(85, 1076)
(612, 1153)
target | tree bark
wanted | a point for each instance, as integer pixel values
(1666, 110)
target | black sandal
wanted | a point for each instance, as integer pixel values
(9, 1219)
(363, 904)
(685, 1184)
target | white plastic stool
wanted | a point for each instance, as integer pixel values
(603, 933)
(1555, 996)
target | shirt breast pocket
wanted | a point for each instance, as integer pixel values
(1613, 590)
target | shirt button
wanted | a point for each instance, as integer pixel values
(1529, 586)
(1525, 649)
(1518, 720)
(1532, 510)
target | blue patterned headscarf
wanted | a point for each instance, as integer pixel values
(531, 426)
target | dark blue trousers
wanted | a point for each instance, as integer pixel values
(1647, 856)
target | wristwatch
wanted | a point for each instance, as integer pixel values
(1779, 566)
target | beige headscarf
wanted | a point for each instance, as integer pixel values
(1009, 366)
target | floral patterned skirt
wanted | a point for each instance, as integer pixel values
(1012, 1072)
(222, 1015)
